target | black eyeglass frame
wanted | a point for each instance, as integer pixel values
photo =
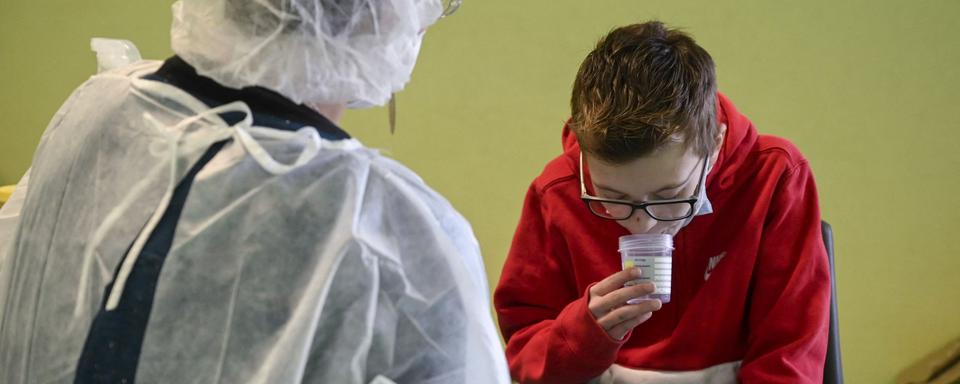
(643, 205)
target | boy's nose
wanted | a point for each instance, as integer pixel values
(639, 223)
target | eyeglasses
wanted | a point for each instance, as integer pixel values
(660, 210)
(451, 7)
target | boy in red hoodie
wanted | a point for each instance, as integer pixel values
(653, 148)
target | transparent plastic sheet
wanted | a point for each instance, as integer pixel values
(9, 220)
(341, 266)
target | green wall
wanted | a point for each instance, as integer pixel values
(869, 90)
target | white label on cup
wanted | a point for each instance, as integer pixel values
(657, 269)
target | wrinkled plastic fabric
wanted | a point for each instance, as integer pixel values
(114, 53)
(9, 219)
(311, 51)
(296, 259)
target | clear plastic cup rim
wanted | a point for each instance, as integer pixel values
(646, 242)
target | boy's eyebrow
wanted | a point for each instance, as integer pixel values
(608, 189)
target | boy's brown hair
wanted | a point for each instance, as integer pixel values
(641, 87)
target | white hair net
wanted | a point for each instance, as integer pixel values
(311, 51)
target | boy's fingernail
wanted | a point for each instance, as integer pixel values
(636, 272)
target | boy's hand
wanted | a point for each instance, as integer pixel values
(608, 303)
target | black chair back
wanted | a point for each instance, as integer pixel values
(833, 367)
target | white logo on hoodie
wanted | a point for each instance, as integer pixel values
(712, 264)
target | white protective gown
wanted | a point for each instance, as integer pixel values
(295, 260)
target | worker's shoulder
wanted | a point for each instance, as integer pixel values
(397, 200)
(372, 171)
(391, 181)
(125, 76)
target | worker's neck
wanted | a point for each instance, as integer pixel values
(332, 112)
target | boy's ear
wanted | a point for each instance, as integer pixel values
(721, 135)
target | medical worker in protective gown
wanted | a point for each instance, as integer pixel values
(204, 220)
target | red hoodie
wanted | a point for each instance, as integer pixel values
(763, 302)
